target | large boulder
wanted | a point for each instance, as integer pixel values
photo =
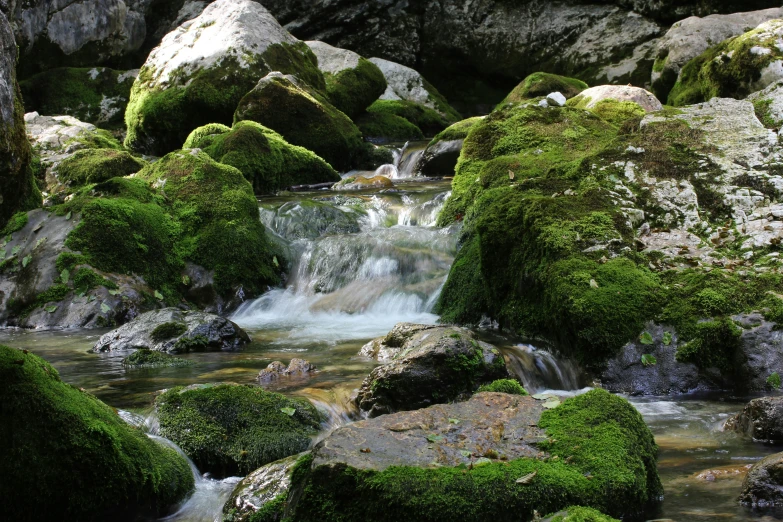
(762, 487)
(201, 70)
(231, 429)
(18, 190)
(761, 419)
(496, 456)
(303, 118)
(429, 366)
(50, 430)
(353, 83)
(690, 37)
(734, 68)
(95, 95)
(267, 161)
(590, 98)
(175, 331)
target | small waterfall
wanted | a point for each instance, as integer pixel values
(388, 170)
(539, 370)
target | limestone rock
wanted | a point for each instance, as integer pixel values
(591, 97)
(175, 331)
(761, 419)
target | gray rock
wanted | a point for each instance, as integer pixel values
(769, 101)
(404, 83)
(594, 95)
(175, 331)
(431, 365)
(260, 488)
(440, 159)
(763, 486)
(761, 419)
(297, 369)
(556, 99)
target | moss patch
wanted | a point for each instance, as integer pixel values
(230, 429)
(504, 386)
(50, 430)
(383, 127)
(457, 131)
(541, 84)
(166, 331)
(146, 358)
(96, 165)
(353, 90)
(428, 120)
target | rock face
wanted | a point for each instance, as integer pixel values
(175, 331)
(445, 461)
(282, 104)
(17, 186)
(427, 366)
(590, 98)
(201, 70)
(688, 38)
(762, 486)
(50, 430)
(761, 419)
(259, 489)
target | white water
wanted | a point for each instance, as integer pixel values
(539, 370)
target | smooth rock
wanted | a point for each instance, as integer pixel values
(761, 419)
(259, 489)
(594, 95)
(556, 99)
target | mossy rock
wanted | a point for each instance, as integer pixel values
(541, 83)
(303, 117)
(383, 127)
(50, 430)
(734, 68)
(434, 465)
(96, 165)
(511, 386)
(579, 514)
(457, 131)
(428, 120)
(95, 95)
(231, 429)
(265, 159)
(146, 358)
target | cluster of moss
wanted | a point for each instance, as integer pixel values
(579, 514)
(305, 118)
(16, 223)
(457, 131)
(97, 165)
(262, 155)
(510, 386)
(166, 331)
(729, 69)
(146, 358)
(601, 455)
(50, 430)
(81, 93)
(232, 429)
(428, 121)
(159, 119)
(353, 90)
(541, 84)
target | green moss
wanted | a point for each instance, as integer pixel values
(69, 260)
(385, 127)
(457, 131)
(204, 136)
(602, 455)
(263, 156)
(353, 90)
(504, 386)
(428, 120)
(618, 112)
(279, 104)
(542, 84)
(50, 430)
(95, 139)
(17, 222)
(230, 429)
(580, 514)
(97, 165)
(763, 113)
(146, 358)
(169, 330)
(85, 279)
(93, 95)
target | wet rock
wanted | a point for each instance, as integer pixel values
(591, 97)
(146, 358)
(276, 371)
(432, 365)
(386, 348)
(763, 487)
(761, 419)
(259, 489)
(363, 183)
(175, 331)
(441, 155)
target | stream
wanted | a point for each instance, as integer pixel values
(364, 262)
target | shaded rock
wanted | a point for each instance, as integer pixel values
(230, 429)
(763, 486)
(54, 430)
(296, 369)
(590, 98)
(282, 104)
(363, 183)
(433, 365)
(174, 331)
(57, 137)
(200, 72)
(761, 419)
(441, 155)
(259, 489)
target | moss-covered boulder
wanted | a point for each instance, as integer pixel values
(441, 155)
(579, 514)
(451, 462)
(382, 120)
(384, 127)
(51, 430)
(200, 72)
(363, 183)
(267, 161)
(429, 366)
(231, 429)
(734, 68)
(540, 84)
(95, 95)
(95, 166)
(303, 117)
(593, 97)
(18, 190)
(353, 83)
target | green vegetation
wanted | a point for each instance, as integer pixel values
(504, 386)
(232, 429)
(17, 222)
(580, 514)
(385, 127)
(262, 155)
(166, 331)
(50, 430)
(146, 358)
(773, 381)
(353, 90)
(601, 455)
(305, 118)
(457, 131)
(540, 84)
(96, 165)
(429, 121)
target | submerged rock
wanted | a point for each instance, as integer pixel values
(363, 183)
(50, 430)
(761, 419)
(298, 369)
(430, 365)
(231, 429)
(146, 358)
(175, 331)
(763, 486)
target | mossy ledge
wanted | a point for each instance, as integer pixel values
(51, 431)
(600, 454)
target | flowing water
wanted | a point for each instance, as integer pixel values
(362, 263)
